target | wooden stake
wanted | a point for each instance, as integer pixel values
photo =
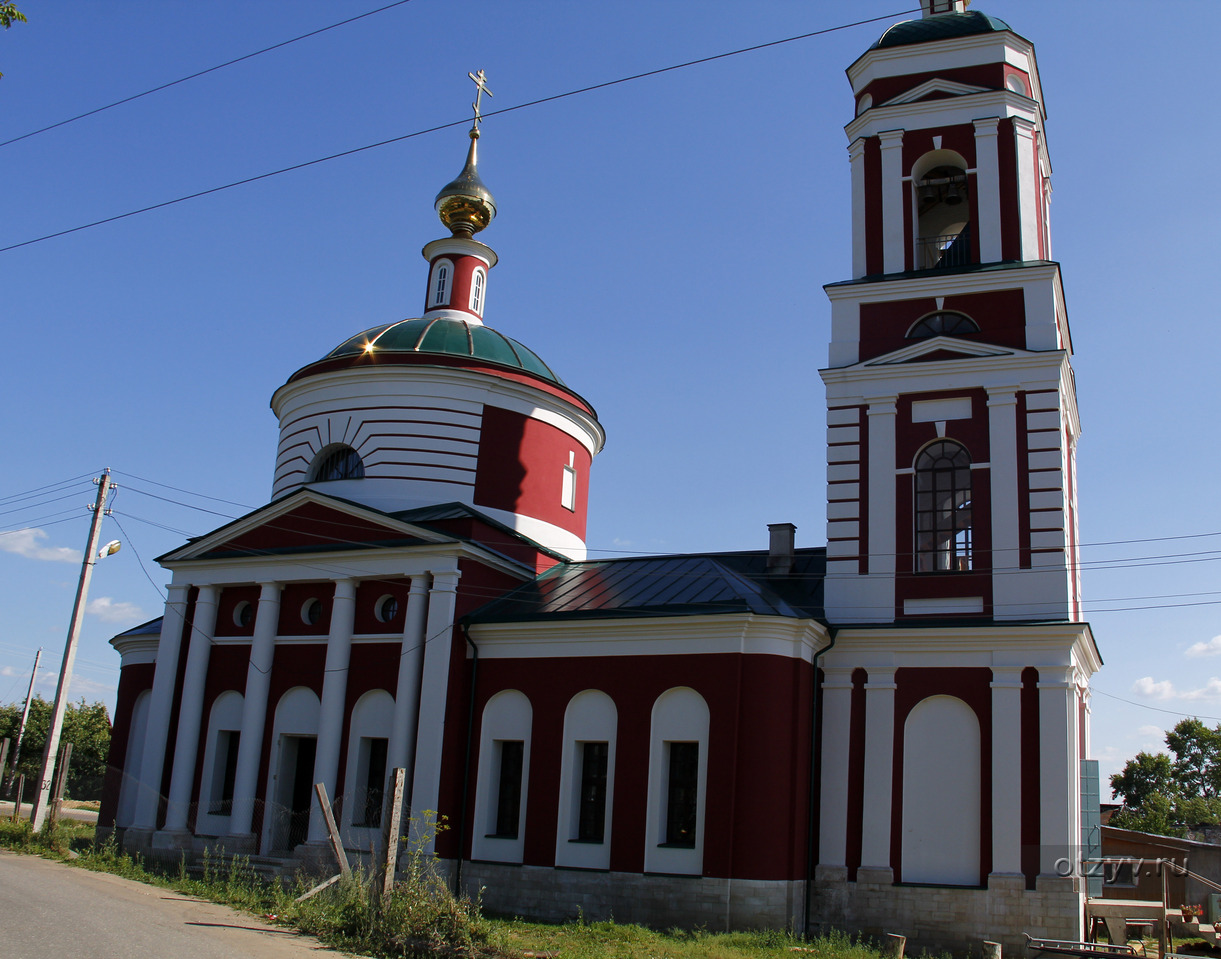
(332, 830)
(17, 803)
(392, 820)
(61, 780)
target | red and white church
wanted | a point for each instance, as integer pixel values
(886, 734)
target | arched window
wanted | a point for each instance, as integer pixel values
(587, 781)
(502, 778)
(942, 324)
(477, 281)
(943, 211)
(943, 508)
(336, 462)
(678, 777)
(442, 283)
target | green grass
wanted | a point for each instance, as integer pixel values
(421, 917)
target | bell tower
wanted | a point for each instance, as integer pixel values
(951, 411)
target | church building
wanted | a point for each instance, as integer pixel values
(885, 734)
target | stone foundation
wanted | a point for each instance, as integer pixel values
(561, 895)
(941, 918)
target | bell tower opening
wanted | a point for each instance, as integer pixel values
(943, 217)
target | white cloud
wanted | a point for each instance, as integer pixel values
(1154, 731)
(1210, 690)
(8, 671)
(1145, 686)
(28, 543)
(1211, 648)
(108, 611)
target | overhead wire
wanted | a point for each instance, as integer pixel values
(445, 126)
(200, 73)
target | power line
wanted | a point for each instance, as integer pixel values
(445, 126)
(193, 76)
(1156, 709)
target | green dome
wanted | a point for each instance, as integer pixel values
(448, 337)
(944, 26)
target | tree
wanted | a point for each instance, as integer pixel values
(9, 14)
(1164, 795)
(86, 727)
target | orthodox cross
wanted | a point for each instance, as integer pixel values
(481, 87)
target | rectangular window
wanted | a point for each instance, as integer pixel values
(591, 813)
(508, 797)
(372, 788)
(224, 772)
(682, 793)
(568, 490)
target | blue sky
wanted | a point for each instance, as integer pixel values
(662, 245)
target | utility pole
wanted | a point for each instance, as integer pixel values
(42, 796)
(25, 715)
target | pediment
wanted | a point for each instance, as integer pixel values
(936, 348)
(304, 522)
(933, 88)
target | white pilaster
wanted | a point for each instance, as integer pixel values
(190, 712)
(400, 750)
(879, 759)
(434, 690)
(334, 699)
(1029, 185)
(894, 247)
(836, 723)
(1007, 771)
(1058, 773)
(1009, 593)
(254, 711)
(880, 506)
(856, 158)
(161, 702)
(988, 188)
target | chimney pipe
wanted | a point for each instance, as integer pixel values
(780, 548)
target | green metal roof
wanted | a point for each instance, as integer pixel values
(944, 26)
(448, 337)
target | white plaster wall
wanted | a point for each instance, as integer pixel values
(941, 800)
(129, 791)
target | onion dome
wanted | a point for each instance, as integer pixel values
(444, 336)
(464, 204)
(944, 26)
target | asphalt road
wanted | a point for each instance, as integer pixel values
(55, 911)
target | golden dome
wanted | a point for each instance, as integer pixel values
(464, 204)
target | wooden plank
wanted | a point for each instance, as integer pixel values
(392, 826)
(332, 830)
(318, 888)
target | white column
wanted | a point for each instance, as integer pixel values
(434, 692)
(334, 700)
(400, 750)
(988, 189)
(1009, 596)
(856, 158)
(161, 704)
(254, 711)
(1007, 770)
(894, 223)
(190, 712)
(833, 810)
(1058, 773)
(1029, 186)
(879, 759)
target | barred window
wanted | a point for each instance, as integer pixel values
(944, 323)
(943, 508)
(338, 462)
